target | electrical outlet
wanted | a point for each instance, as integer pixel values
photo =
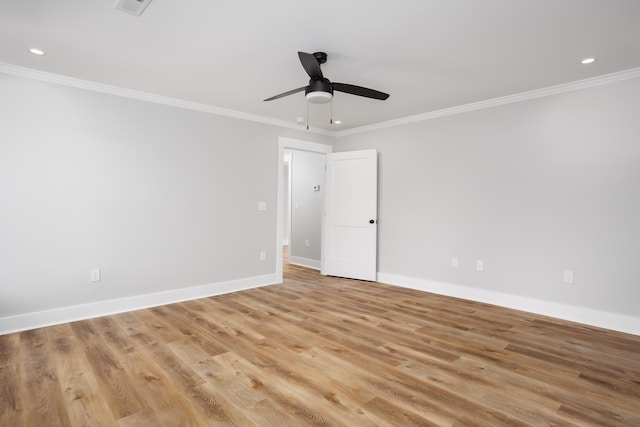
(454, 262)
(480, 265)
(568, 276)
(263, 255)
(94, 275)
(306, 243)
(262, 206)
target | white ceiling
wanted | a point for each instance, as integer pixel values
(428, 54)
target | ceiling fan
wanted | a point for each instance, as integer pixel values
(320, 89)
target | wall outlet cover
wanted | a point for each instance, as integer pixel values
(567, 276)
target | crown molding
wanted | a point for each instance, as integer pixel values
(180, 103)
(509, 99)
(149, 97)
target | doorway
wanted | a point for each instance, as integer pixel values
(294, 145)
(303, 207)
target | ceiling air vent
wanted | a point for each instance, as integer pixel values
(134, 7)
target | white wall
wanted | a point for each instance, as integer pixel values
(307, 170)
(143, 191)
(161, 199)
(531, 188)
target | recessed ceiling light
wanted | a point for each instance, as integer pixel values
(300, 120)
(337, 122)
(36, 51)
(588, 60)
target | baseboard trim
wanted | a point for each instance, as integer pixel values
(304, 262)
(57, 316)
(588, 316)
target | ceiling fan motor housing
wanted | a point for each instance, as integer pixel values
(319, 91)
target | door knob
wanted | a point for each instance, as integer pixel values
(372, 221)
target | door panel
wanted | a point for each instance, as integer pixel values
(350, 238)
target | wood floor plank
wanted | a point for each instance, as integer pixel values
(170, 405)
(324, 351)
(177, 371)
(293, 394)
(79, 385)
(43, 390)
(215, 409)
(91, 411)
(115, 385)
(517, 406)
(12, 405)
(267, 414)
(478, 382)
(398, 415)
(9, 349)
(146, 328)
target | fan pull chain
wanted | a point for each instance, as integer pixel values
(331, 112)
(307, 115)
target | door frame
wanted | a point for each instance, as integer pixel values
(291, 144)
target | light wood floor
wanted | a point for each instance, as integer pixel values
(320, 351)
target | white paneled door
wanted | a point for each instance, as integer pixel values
(351, 209)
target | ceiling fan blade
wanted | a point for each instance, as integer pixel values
(311, 65)
(360, 91)
(291, 92)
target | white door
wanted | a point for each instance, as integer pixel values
(351, 208)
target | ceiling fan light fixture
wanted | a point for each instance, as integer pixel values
(134, 7)
(319, 97)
